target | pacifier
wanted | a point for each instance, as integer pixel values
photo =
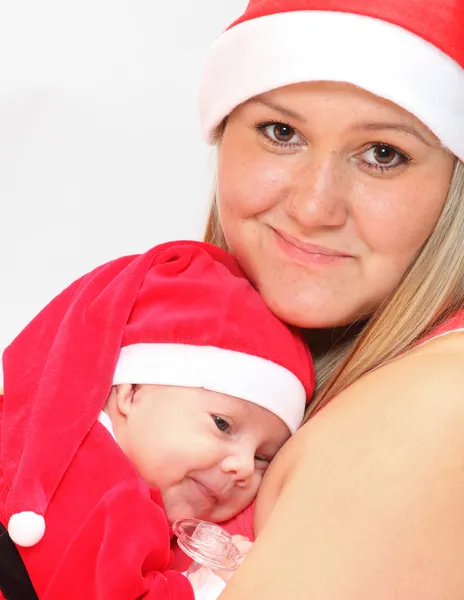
(208, 544)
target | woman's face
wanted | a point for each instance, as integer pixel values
(325, 194)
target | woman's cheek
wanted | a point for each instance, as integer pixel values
(248, 188)
(391, 221)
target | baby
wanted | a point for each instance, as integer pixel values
(155, 388)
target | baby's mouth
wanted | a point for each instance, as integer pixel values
(207, 492)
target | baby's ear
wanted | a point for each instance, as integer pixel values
(123, 397)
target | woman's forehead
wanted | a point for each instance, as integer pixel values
(307, 91)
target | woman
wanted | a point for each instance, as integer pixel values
(340, 188)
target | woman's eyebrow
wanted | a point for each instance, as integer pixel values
(278, 107)
(396, 127)
(361, 126)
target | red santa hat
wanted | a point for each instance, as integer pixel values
(410, 52)
(182, 314)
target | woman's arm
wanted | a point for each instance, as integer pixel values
(374, 504)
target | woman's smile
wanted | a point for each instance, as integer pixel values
(306, 253)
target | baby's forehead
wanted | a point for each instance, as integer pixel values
(233, 403)
(203, 398)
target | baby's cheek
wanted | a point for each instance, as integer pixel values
(242, 501)
(236, 505)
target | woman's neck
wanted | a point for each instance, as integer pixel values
(322, 341)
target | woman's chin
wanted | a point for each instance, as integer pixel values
(317, 313)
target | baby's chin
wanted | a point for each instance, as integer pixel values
(181, 505)
(181, 509)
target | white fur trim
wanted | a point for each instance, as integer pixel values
(233, 373)
(276, 50)
(210, 587)
(26, 528)
(105, 420)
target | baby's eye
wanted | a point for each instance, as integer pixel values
(262, 462)
(221, 423)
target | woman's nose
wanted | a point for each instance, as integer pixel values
(318, 196)
(240, 465)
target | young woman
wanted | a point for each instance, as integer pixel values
(340, 188)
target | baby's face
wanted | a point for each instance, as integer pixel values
(205, 451)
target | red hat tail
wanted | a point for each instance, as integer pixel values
(68, 352)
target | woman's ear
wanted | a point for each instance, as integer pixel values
(123, 398)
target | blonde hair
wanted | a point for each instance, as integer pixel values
(431, 289)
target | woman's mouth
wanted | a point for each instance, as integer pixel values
(308, 253)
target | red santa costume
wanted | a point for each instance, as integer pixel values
(85, 524)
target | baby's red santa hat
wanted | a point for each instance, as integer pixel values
(182, 314)
(408, 51)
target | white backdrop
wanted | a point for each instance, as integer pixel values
(100, 149)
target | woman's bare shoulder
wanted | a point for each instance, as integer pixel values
(423, 387)
(368, 497)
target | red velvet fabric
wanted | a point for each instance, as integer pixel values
(107, 535)
(59, 370)
(440, 22)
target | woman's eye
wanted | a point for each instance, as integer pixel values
(280, 134)
(221, 424)
(384, 157)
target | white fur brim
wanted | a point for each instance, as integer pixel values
(269, 52)
(244, 376)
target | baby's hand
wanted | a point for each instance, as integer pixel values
(243, 545)
(208, 584)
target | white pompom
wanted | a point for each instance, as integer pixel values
(26, 528)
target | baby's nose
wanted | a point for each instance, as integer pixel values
(241, 465)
